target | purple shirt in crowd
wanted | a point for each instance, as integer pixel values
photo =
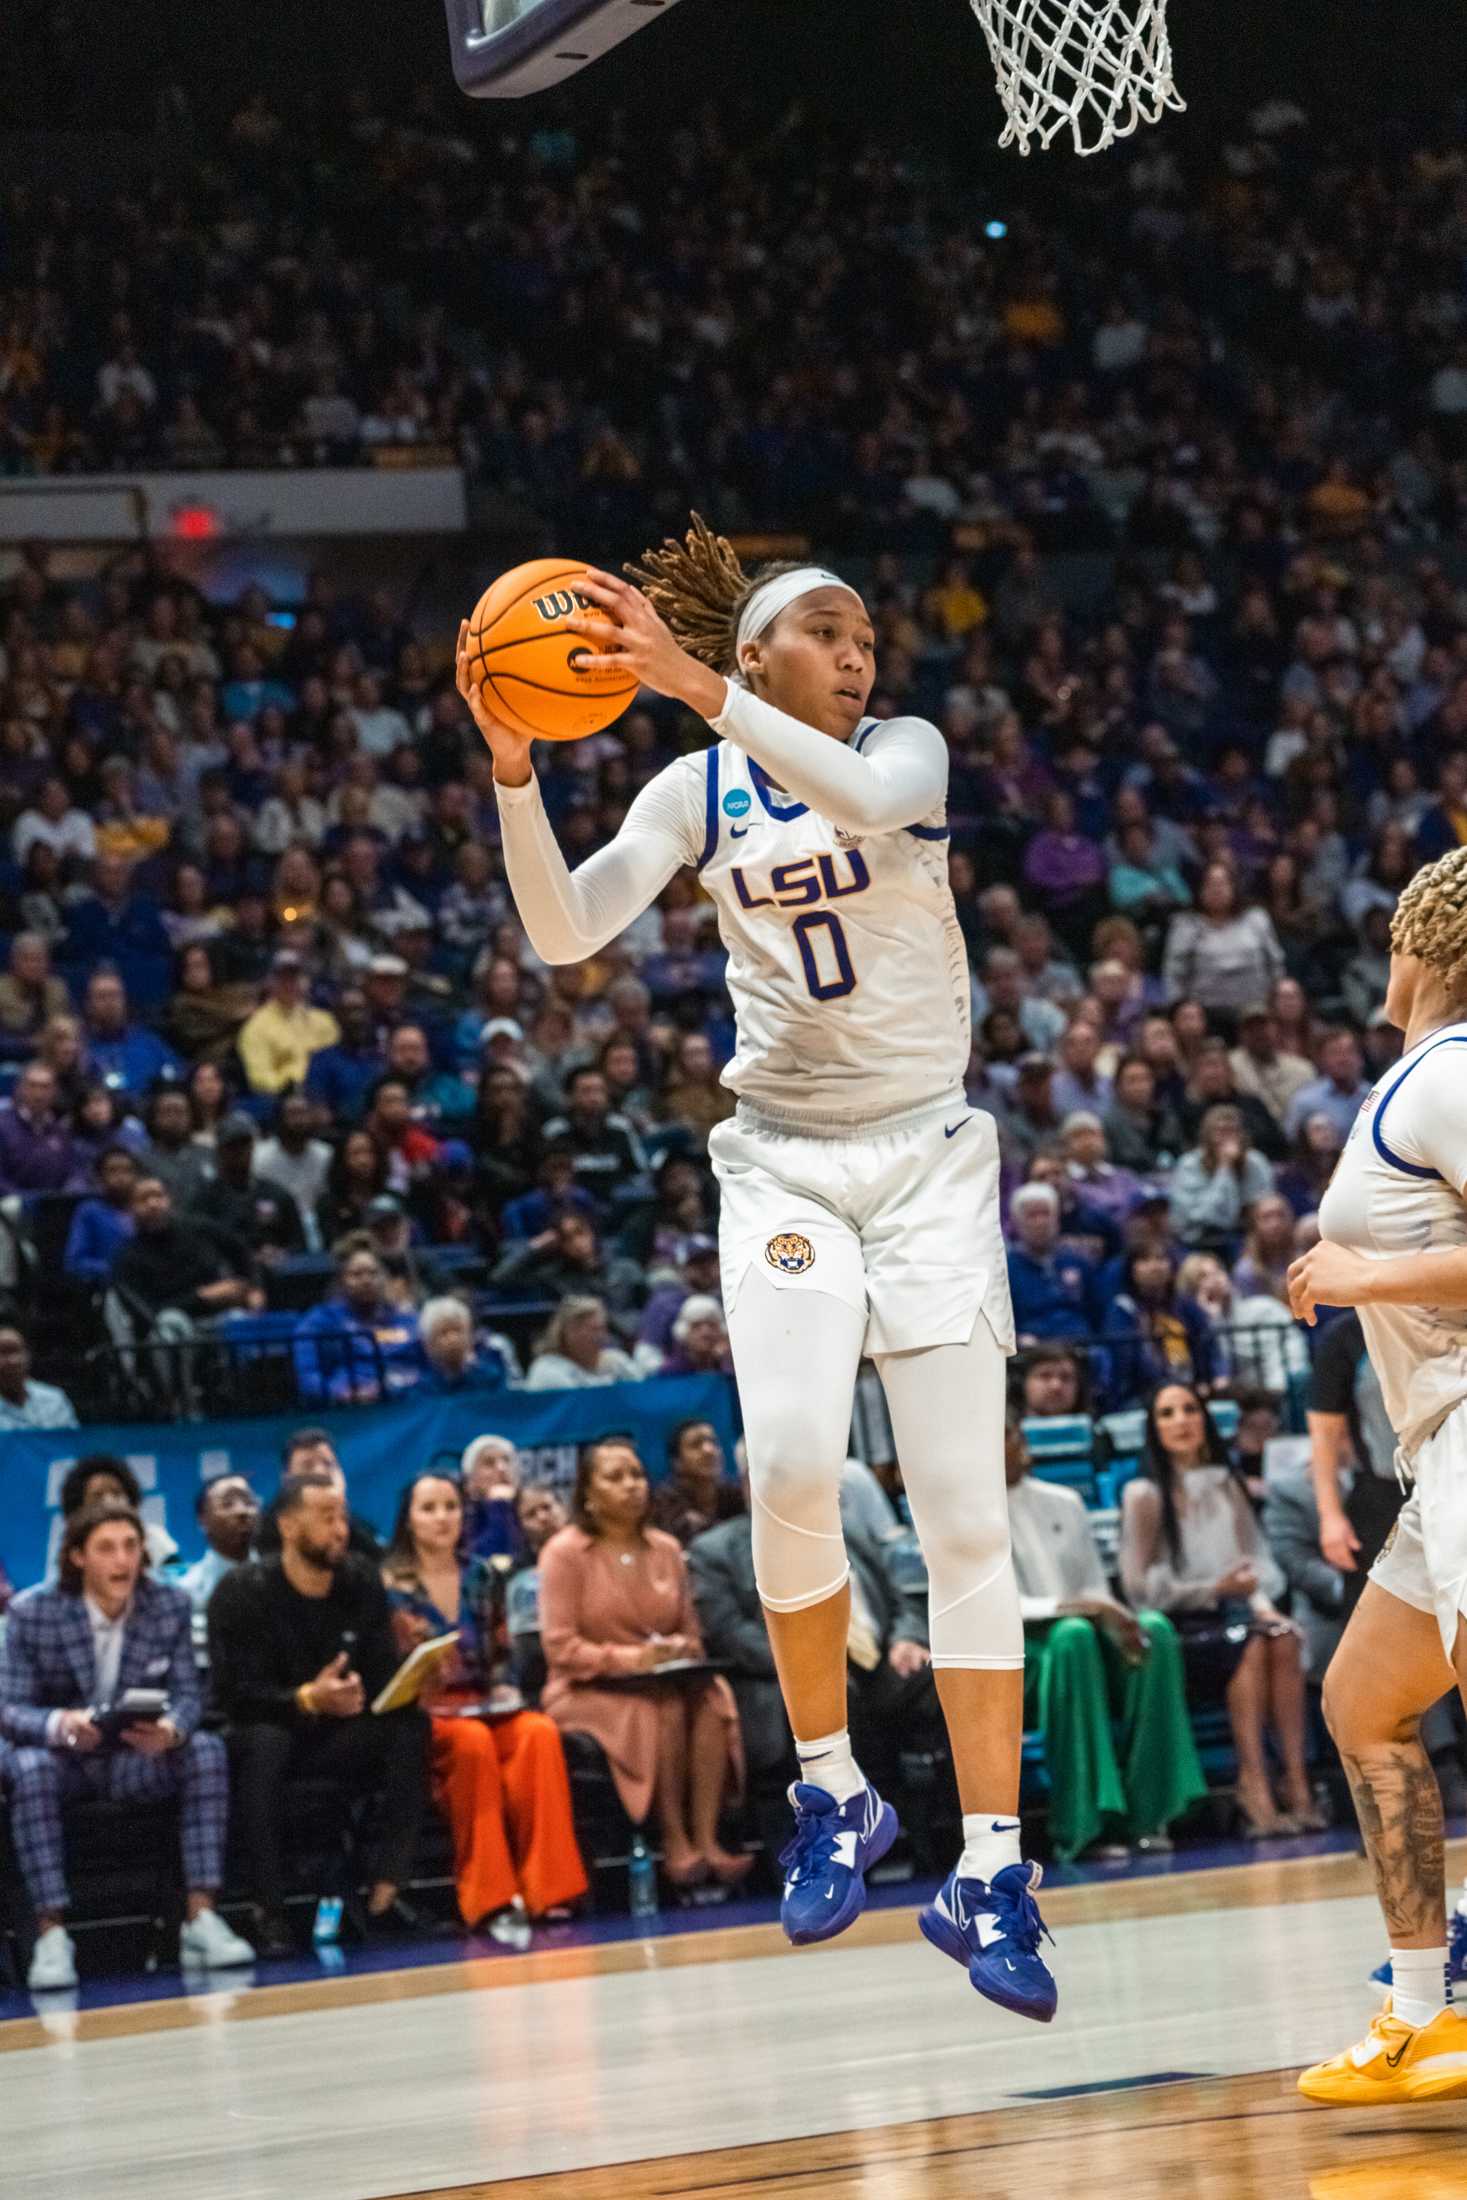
(36, 1156)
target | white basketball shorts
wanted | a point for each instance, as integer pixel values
(900, 1223)
(1425, 1561)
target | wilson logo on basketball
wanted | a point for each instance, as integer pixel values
(562, 604)
(790, 1253)
(533, 672)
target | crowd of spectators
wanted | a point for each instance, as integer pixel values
(272, 1034)
(266, 1001)
(790, 327)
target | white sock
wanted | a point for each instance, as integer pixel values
(827, 1763)
(1462, 1903)
(989, 1846)
(1418, 1983)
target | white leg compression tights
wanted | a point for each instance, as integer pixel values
(796, 1354)
(947, 1415)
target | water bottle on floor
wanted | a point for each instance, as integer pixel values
(642, 1879)
(326, 1929)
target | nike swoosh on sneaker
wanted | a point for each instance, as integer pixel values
(985, 1920)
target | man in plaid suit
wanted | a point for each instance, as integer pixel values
(69, 1653)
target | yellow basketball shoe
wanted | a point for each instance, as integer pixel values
(1395, 2062)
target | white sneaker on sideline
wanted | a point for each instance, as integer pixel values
(211, 1944)
(53, 1965)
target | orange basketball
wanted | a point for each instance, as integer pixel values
(536, 675)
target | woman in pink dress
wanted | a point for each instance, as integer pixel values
(615, 1607)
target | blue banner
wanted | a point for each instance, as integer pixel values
(380, 1447)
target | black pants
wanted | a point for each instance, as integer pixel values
(365, 1756)
(889, 1715)
(1372, 1509)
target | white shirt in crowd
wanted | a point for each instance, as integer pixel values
(1217, 1532)
(108, 1636)
(303, 1175)
(43, 1406)
(71, 834)
(1056, 1559)
(107, 1641)
(553, 1371)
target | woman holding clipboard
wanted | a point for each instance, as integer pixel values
(500, 1778)
(616, 1611)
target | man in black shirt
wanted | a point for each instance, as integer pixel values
(170, 1264)
(247, 1216)
(1212, 1085)
(1352, 1456)
(607, 1151)
(298, 1648)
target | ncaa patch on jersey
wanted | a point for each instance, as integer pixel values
(737, 802)
(790, 1253)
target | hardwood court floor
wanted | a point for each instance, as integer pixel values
(1220, 2139)
(723, 2064)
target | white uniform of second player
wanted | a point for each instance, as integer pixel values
(1399, 1188)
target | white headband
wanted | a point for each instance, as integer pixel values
(776, 595)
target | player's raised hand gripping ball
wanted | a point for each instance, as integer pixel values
(536, 673)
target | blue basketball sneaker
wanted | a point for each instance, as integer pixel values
(995, 1931)
(825, 1865)
(1456, 1957)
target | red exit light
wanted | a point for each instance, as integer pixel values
(195, 522)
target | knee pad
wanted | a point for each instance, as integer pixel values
(794, 1495)
(972, 1596)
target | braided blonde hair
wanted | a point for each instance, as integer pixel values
(699, 587)
(1431, 920)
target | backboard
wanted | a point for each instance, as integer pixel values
(503, 49)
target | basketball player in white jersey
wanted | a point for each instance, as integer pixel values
(859, 1190)
(1394, 1244)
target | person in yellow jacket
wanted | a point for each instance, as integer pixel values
(277, 1042)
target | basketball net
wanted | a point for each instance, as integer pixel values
(1094, 67)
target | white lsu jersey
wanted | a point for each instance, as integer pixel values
(1398, 1188)
(846, 964)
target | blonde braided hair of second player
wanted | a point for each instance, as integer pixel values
(1431, 920)
(699, 587)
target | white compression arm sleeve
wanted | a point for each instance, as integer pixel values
(570, 915)
(899, 776)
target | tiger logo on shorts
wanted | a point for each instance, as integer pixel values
(1390, 1542)
(790, 1253)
